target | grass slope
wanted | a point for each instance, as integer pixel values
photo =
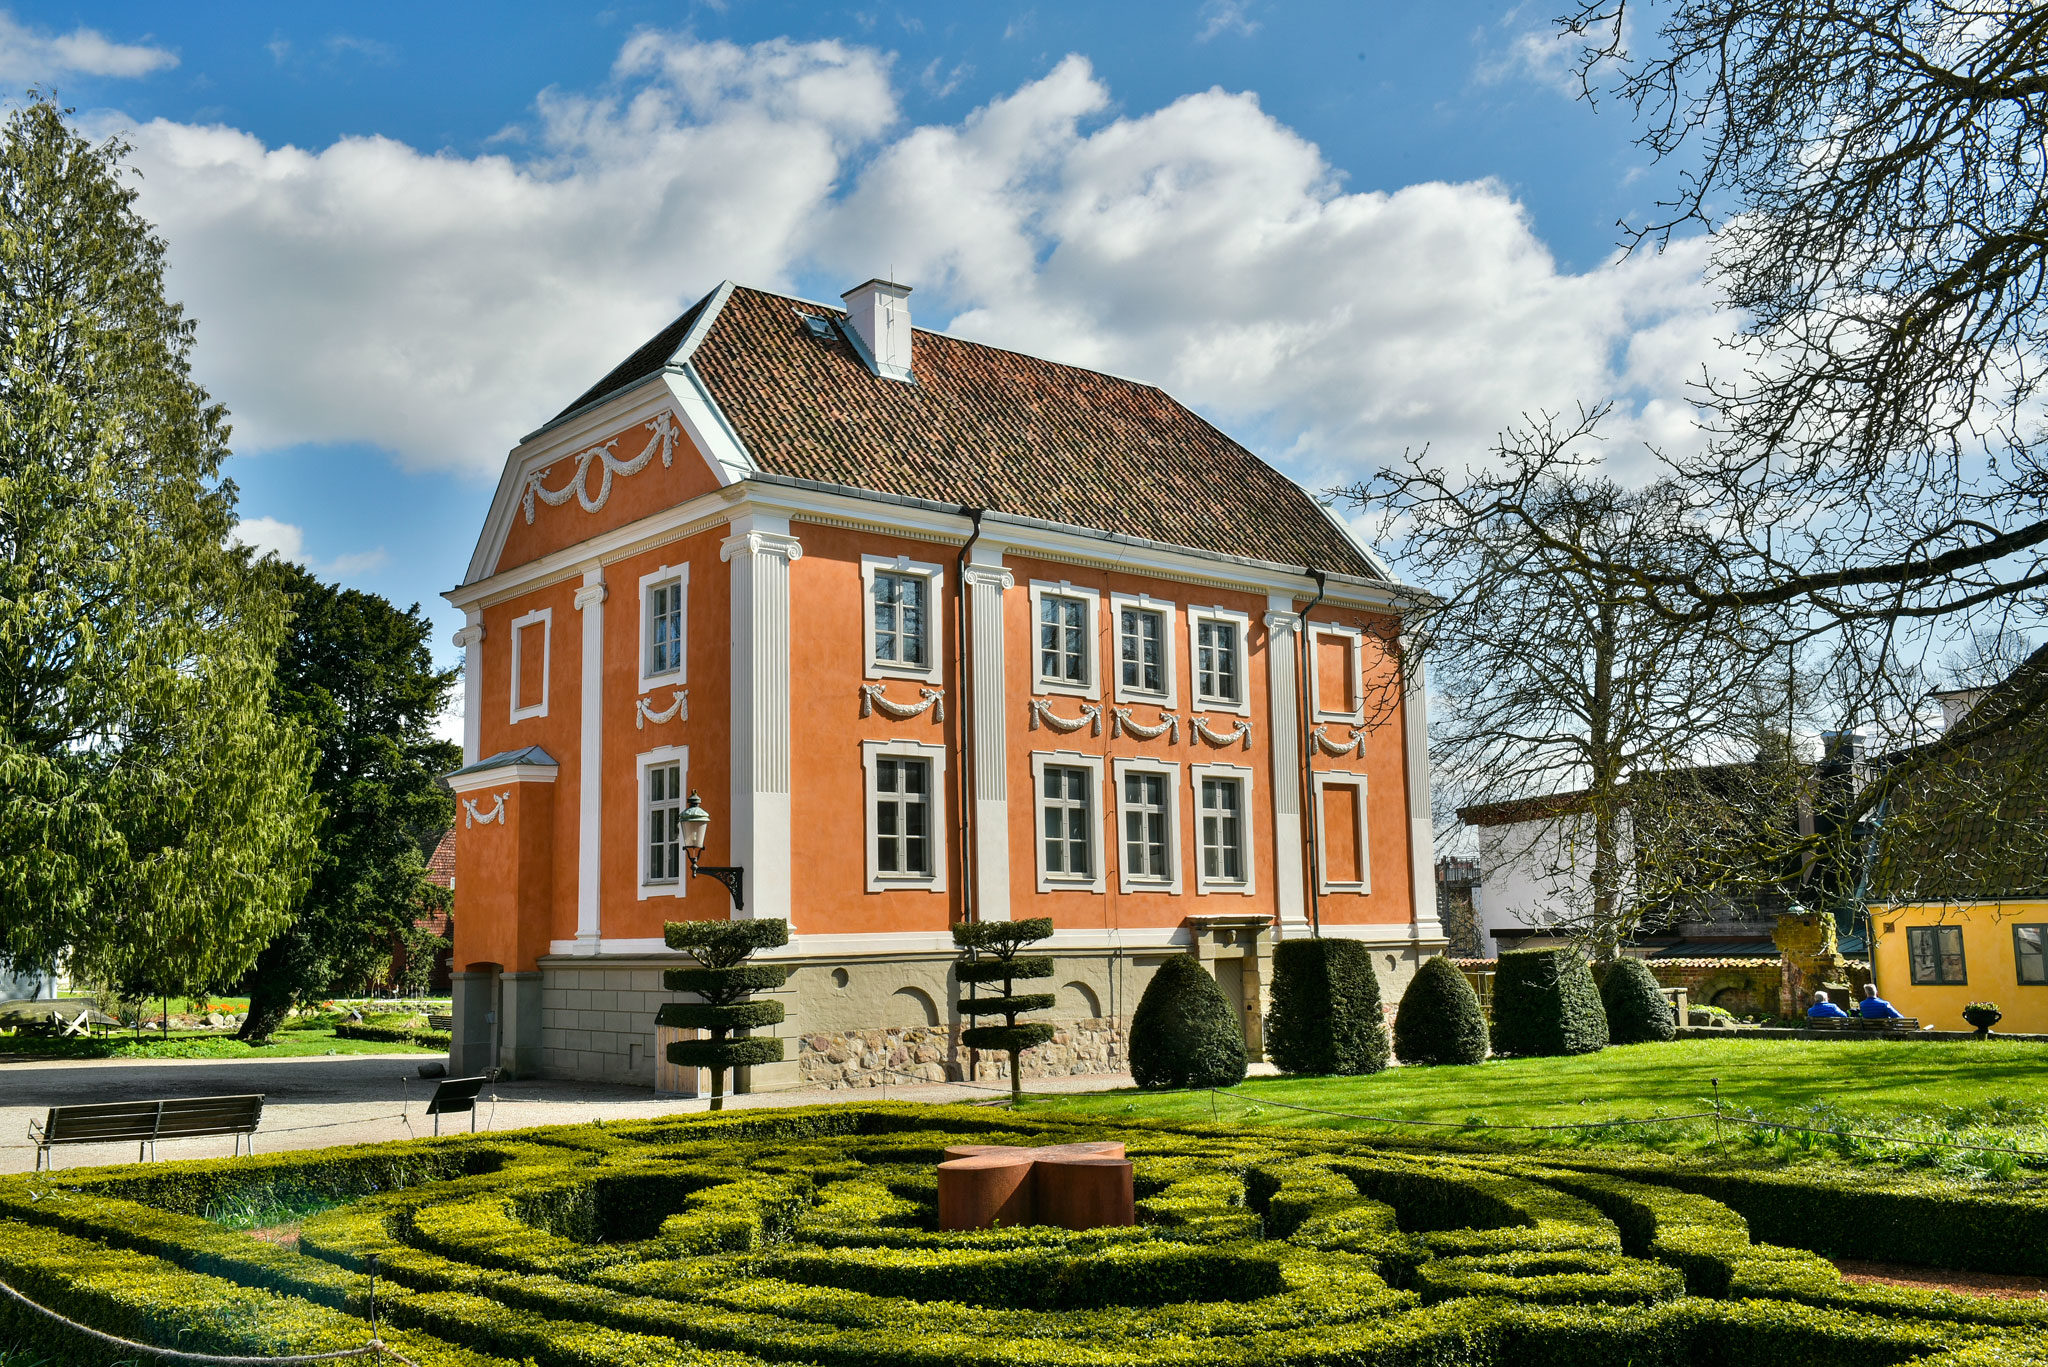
(197, 1045)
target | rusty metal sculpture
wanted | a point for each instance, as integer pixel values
(1073, 1186)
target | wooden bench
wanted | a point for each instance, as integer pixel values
(1859, 1023)
(440, 1022)
(143, 1123)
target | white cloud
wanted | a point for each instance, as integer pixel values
(29, 54)
(287, 541)
(1218, 17)
(440, 305)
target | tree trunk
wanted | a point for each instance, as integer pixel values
(1604, 790)
(269, 1000)
(1016, 1079)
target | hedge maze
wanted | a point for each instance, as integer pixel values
(809, 1237)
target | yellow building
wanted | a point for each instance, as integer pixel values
(1932, 958)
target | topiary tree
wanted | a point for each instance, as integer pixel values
(1326, 1015)
(1544, 1002)
(1185, 1033)
(724, 980)
(990, 956)
(1439, 1020)
(1637, 1012)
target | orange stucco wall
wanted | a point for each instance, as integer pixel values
(631, 498)
(1385, 766)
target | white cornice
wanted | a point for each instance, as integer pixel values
(508, 773)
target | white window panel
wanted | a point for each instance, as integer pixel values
(903, 603)
(658, 840)
(1144, 659)
(664, 626)
(1223, 828)
(1064, 634)
(1066, 806)
(530, 695)
(1148, 825)
(1219, 660)
(1341, 698)
(906, 815)
(1341, 833)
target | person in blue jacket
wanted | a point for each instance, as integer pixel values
(1824, 1008)
(1874, 1007)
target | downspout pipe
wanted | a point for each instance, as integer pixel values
(1308, 757)
(965, 711)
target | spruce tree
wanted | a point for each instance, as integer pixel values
(155, 819)
(990, 956)
(724, 980)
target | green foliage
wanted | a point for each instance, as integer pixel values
(1006, 1006)
(723, 944)
(1003, 970)
(702, 1016)
(155, 819)
(1544, 1002)
(725, 985)
(423, 948)
(1637, 1012)
(1325, 1017)
(989, 955)
(357, 675)
(1439, 1020)
(724, 981)
(389, 1034)
(1185, 1032)
(1007, 1038)
(1002, 938)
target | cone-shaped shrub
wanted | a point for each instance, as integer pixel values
(1544, 1002)
(1439, 1020)
(1637, 1012)
(1185, 1033)
(1326, 1015)
(724, 980)
(991, 957)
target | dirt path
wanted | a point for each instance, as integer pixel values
(2001, 1285)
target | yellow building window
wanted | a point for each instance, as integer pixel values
(1936, 954)
(2030, 953)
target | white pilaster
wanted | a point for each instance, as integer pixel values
(590, 762)
(1283, 697)
(467, 639)
(1421, 820)
(986, 582)
(760, 551)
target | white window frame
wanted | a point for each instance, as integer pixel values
(1091, 663)
(1126, 879)
(878, 881)
(650, 680)
(1205, 885)
(935, 617)
(1326, 778)
(646, 760)
(1198, 701)
(544, 618)
(1068, 759)
(1328, 709)
(1169, 652)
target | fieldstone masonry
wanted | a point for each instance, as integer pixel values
(881, 1058)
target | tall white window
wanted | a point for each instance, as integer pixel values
(1063, 641)
(1148, 818)
(903, 606)
(906, 829)
(1068, 824)
(1219, 660)
(664, 793)
(1144, 668)
(1223, 828)
(664, 626)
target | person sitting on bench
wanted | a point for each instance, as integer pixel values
(1874, 1007)
(1824, 1008)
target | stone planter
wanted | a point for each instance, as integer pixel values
(1982, 1020)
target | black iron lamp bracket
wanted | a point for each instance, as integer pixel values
(733, 877)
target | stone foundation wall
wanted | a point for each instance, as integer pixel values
(908, 1055)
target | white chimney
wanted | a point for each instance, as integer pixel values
(879, 315)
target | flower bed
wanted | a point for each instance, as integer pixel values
(809, 1236)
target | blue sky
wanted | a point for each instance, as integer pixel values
(410, 234)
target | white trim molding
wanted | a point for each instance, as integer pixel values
(987, 719)
(1283, 711)
(1169, 650)
(1097, 879)
(762, 554)
(934, 617)
(1354, 649)
(678, 709)
(1337, 778)
(469, 782)
(662, 442)
(1421, 823)
(679, 886)
(1090, 686)
(1246, 835)
(544, 618)
(1126, 880)
(590, 761)
(936, 822)
(473, 816)
(874, 697)
(1041, 714)
(1198, 701)
(644, 645)
(466, 639)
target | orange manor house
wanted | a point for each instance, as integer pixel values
(939, 632)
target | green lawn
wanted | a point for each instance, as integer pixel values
(198, 1044)
(1994, 1092)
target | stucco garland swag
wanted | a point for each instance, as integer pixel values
(663, 441)
(1356, 745)
(1200, 726)
(473, 817)
(873, 699)
(645, 711)
(1121, 724)
(1091, 717)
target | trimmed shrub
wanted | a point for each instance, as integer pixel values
(1326, 1015)
(1184, 1032)
(724, 981)
(1544, 1002)
(386, 1034)
(989, 955)
(1440, 1021)
(1637, 1012)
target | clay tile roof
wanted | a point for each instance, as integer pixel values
(441, 863)
(994, 429)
